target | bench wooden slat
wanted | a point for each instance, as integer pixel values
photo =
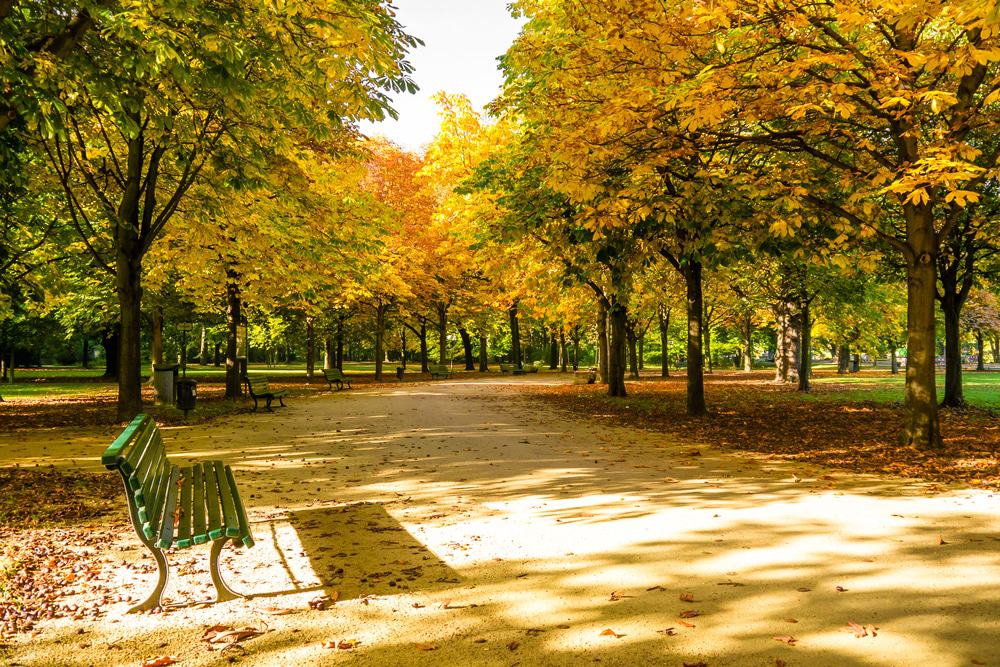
(231, 521)
(169, 507)
(150, 523)
(136, 449)
(198, 533)
(212, 502)
(241, 512)
(142, 479)
(111, 455)
(183, 538)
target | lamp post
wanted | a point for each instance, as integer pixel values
(185, 329)
(186, 389)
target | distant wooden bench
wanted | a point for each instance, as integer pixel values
(175, 508)
(335, 376)
(439, 371)
(532, 368)
(259, 389)
(585, 376)
(507, 368)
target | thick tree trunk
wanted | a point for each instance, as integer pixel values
(85, 361)
(663, 316)
(893, 362)
(786, 360)
(633, 351)
(424, 361)
(484, 353)
(922, 428)
(695, 372)
(129, 283)
(602, 341)
(310, 348)
(843, 359)
(217, 354)
(234, 315)
(641, 342)
(856, 363)
(563, 361)
(515, 338)
(470, 361)
(328, 353)
(553, 351)
(156, 340)
(953, 395)
(616, 349)
(995, 344)
(805, 348)
(442, 313)
(112, 355)
(379, 340)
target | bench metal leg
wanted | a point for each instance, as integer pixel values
(163, 569)
(281, 401)
(223, 592)
(268, 406)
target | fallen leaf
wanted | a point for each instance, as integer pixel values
(611, 633)
(858, 630)
(656, 588)
(223, 634)
(513, 646)
(417, 605)
(667, 631)
(778, 662)
(687, 597)
(787, 639)
(941, 540)
(348, 643)
(425, 646)
(791, 620)
(841, 589)
(616, 596)
(803, 589)
(159, 661)
(685, 623)
(872, 630)
(695, 664)
(690, 613)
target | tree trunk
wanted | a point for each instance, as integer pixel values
(379, 340)
(442, 313)
(695, 373)
(633, 350)
(424, 361)
(553, 351)
(805, 347)
(786, 361)
(203, 351)
(663, 315)
(402, 346)
(602, 341)
(563, 361)
(328, 353)
(995, 344)
(748, 344)
(856, 362)
(484, 353)
(953, 394)
(576, 348)
(112, 357)
(470, 361)
(980, 365)
(156, 340)
(923, 428)
(616, 349)
(641, 342)
(515, 338)
(234, 316)
(843, 359)
(310, 348)
(217, 354)
(340, 343)
(893, 362)
(129, 283)
(85, 361)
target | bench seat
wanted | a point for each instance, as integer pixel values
(335, 376)
(439, 371)
(259, 388)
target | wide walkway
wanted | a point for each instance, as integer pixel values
(466, 523)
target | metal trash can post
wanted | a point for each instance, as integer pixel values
(187, 394)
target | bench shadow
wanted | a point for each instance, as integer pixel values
(354, 551)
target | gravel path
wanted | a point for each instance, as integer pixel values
(460, 523)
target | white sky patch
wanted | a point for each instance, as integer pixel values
(462, 40)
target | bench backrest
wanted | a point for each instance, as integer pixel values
(138, 454)
(258, 384)
(333, 374)
(438, 368)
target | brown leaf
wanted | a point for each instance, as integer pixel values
(159, 661)
(803, 589)
(787, 639)
(778, 662)
(941, 540)
(858, 630)
(616, 596)
(841, 589)
(872, 630)
(685, 623)
(513, 646)
(223, 634)
(425, 646)
(656, 588)
(346, 644)
(690, 613)
(611, 633)
(667, 631)
(417, 605)
(687, 597)
(790, 620)
(695, 664)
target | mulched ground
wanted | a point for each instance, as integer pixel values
(751, 414)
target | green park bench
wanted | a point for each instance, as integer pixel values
(439, 371)
(532, 368)
(174, 507)
(585, 376)
(335, 376)
(259, 389)
(507, 368)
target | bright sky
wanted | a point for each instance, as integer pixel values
(462, 39)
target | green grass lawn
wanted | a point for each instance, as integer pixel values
(981, 389)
